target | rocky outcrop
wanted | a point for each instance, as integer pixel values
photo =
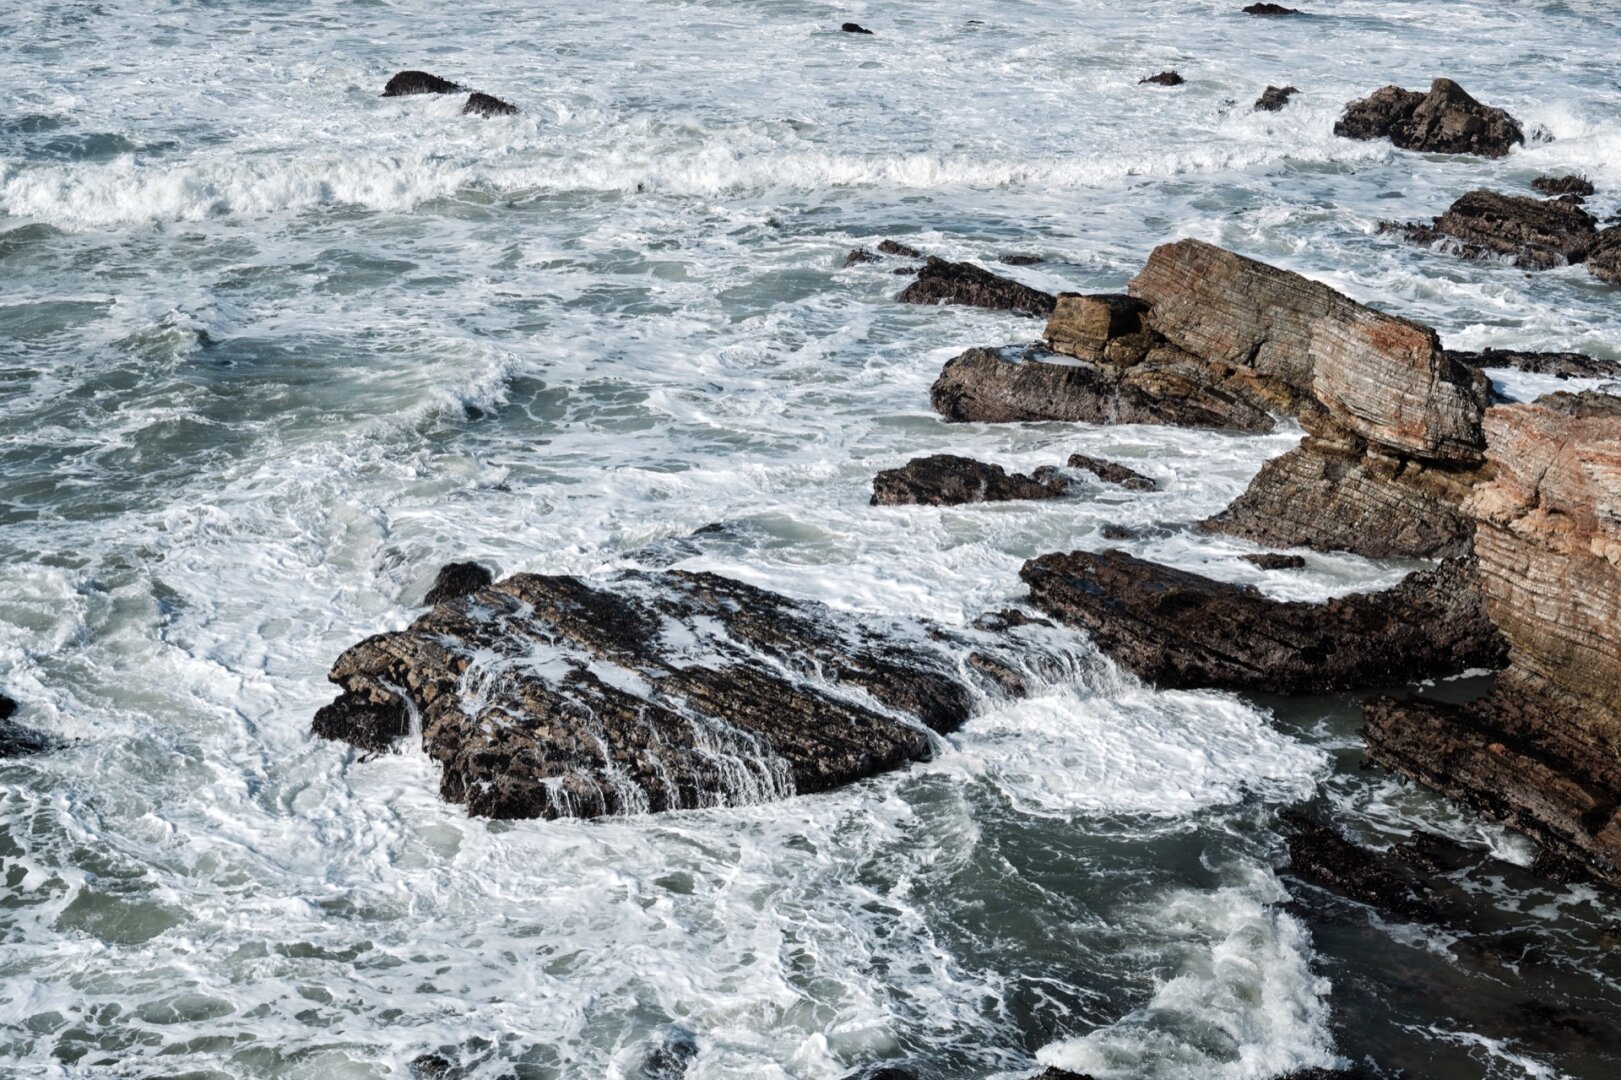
(550, 696)
(1164, 78)
(1179, 630)
(483, 105)
(408, 83)
(1444, 121)
(1270, 9)
(1111, 472)
(1542, 752)
(1565, 365)
(1274, 98)
(942, 282)
(949, 480)
(456, 580)
(1604, 257)
(1556, 186)
(1536, 234)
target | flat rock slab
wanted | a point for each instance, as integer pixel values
(1444, 121)
(949, 480)
(1180, 630)
(546, 696)
(943, 282)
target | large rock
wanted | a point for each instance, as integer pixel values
(1537, 234)
(1444, 121)
(555, 696)
(1542, 752)
(942, 282)
(949, 480)
(1179, 630)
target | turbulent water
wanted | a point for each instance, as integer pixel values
(273, 348)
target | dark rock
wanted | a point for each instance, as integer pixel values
(883, 1072)
(456, 580)
(1272, 560)
(1008, 619)
(1535, 233)
(646, 691)
(1604, 257)
(854, 28)
(1270, 9)
(408, 83)
(1563, 185)
(860, 255)
(948, 480)
(1053, 1072)
(486, 106)
(1116, 531)
(1021, 260)
(1566, 365)
(891, 247)
(942, 282)
(1179, 630)
(435, 1067)
(1322, 856)
(17, 740)
(1274, 98)
(1113, 473)
(1164, 78)
(1444, 121)
(7, 707)
(670, 1055)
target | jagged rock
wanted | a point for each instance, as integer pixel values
(1179, 630)
(1320, 855)
(456, 580)
(1542, 752)
(486, 106)
(858, 256)
(1270, 9)
(1274, 98)
(892, 247)
(1384, 378)
(1563, 185)
(1604, 257)
(1272, 560)
(1444, 121)
(408, 83)
(854, 28)
(942, 282)
(1002, 386)
(1565, 365)
(1164, 78)
(949, 480)
(1535, 233)
(556, 696)
(1112, 472)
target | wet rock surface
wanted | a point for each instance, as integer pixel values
(456, 580)
(17, 740)
(854, 28)
(1444, 121)
(1537, 234)
(1604, 257)
(1565, 365)
(1113, 472)
(1322, 856)
(409, 83)
(1563, 185)
(1274, 98)
(1180, 630)
(1270, 9)
(557, 696)
(1164, 78)
(942, 282)
(484, 105)
(1272, 560)
(949, 480)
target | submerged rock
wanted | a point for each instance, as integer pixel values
(408, 83)
(1604, 257)
(859, 256)
(1444, 121)
(1164, 78)
(486, 106)
(550, 696)
(456, 580)
(894, 247)
(942, 282)
(1537, 234)
(1272, 560)
(1320, 855)
(949, 480)
(1112, 472)
(17, 740)
(1179, 630)
(1274, 98)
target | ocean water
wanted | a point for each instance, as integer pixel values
(273, 348)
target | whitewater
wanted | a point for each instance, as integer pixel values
(274, 348)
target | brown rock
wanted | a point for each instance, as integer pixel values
(1270, 560)
(483, 105)
(891, 247)
(408, 83)
(1164, 78)
(1563, 185)
(942, 282)
(1320, 855)
(1017, 259)
(1113, 473)
(1604, 257)
(1535, 233)
(1083, 326)
(1180, 630)
(859, 256)
(1274, 98)
(1444, 121)
(949, 480)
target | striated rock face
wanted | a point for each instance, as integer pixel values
(1566, 365)
(1542, 752)
(484, 105)
(942, 282)
(948, 480)
(1444, 121)
(1180, 630)
(456, 580)
(1111, 472)
(556, 696)
(1274, 98)
(408, 83)
(1537, 234)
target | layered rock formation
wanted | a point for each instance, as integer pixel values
(1179, 630)
(556, 696)
(942, 282)
(1444, 121)
(949, 480)
(1542, 752)
(1536, 234)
